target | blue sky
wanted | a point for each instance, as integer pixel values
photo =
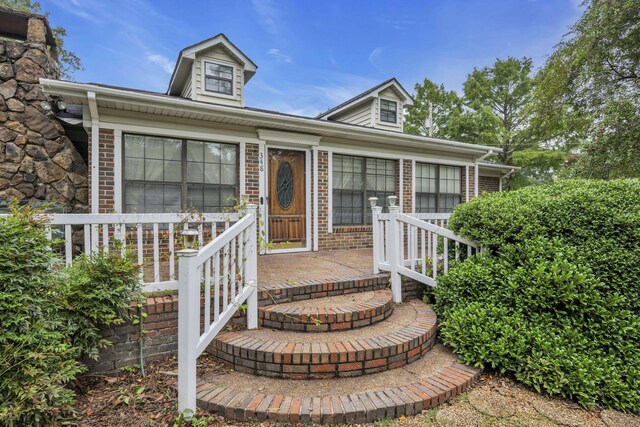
(311, 55)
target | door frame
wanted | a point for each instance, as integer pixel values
(307, 185)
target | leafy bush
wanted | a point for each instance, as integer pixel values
(98, 294)
(555, 301)
(50, 318)
(37, 357)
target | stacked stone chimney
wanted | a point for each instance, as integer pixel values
(37, 161)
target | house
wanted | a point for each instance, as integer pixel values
(198, 146)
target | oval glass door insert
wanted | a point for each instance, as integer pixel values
(284, 185)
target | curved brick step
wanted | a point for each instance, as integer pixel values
(347, 401)
(296, 355)
(348, 311)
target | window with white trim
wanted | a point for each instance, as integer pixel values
(438, 188)
(388, 111)
(172, 175)
(354, 180)
(218, 78)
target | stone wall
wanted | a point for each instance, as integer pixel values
(37, 161)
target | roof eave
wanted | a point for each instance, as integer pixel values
(262, 118)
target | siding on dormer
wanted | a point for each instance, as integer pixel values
(358, 115)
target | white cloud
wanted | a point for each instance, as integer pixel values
(268, 14)
(164, 62)
(279, 56)
(374, 56)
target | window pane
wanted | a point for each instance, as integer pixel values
(228, 175)
(153, 170)
(212, 153)
(229, 154)
(134, 146)
(195, 172)
(134, 197)
(195, 151)
(212, 174)
(134, 168)
(154, 148)
(173, 150)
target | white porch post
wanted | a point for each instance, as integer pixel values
(252, 269)
(188, 328)
(378, 240)
(394, 253)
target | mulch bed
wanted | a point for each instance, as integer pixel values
(128, 399)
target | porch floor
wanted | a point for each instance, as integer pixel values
(295, 267)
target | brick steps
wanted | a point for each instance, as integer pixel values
(329, 313)
(332, 354)
(406, 399)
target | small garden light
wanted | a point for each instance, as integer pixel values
(393, 200)
(373, 201)
(189, 238)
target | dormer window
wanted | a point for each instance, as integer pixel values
(218, 78)
(388, 111)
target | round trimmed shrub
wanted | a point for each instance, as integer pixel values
(555, 299)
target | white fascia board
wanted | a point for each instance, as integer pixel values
(288, 137)
(78, 91)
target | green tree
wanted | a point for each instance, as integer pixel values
(447, 109)
(589, 90)
(67, 60)
(498, 99)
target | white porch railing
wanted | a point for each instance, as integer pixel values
(229, 265)
(412, 247)
(152, 237)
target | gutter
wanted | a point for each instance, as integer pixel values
(306, 124)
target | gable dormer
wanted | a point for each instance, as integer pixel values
(214, 70)
(380, 107)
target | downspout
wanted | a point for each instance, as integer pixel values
(505, 176)
(475, 171)
(95, 154)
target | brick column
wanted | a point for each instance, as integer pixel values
(106, 184)
(407, 186)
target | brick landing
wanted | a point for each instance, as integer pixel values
(291, 268)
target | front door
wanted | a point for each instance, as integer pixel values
(287, 199)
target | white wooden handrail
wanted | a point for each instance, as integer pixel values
(150, 236)
(224, 275)
(410, 245)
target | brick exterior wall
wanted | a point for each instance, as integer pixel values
(488, 184)
(106, 184)
(406, 185)
(252, 174)
(464, 183)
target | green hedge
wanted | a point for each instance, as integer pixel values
(51, 317)
(556, 299)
